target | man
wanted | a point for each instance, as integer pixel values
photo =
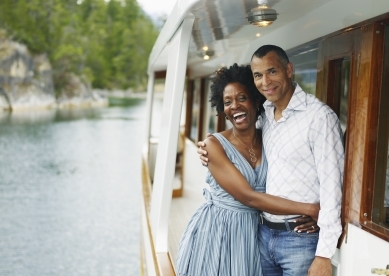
(303, 144)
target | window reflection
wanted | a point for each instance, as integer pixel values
(380, 214)
(211, 112)
(386, 199)
(305, 67)
(344, 91)
(195, 110)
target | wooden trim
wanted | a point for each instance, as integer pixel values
(146, 184)
(349, 143)
(189, 105)
(194, 99)
(330, 50)
(321, 77)
(362, 142)
(376, 230)
(165, 264)
(146, 193)
(380, 211)
(202, 105)
(370, 71)
(160, 74)
(221, 123)
(162, 261)
(332, 83)
(179, 192)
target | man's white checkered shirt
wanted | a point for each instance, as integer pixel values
(305, 156)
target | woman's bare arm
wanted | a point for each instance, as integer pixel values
(232, 181)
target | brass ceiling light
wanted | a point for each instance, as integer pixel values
(262, 16)
(205, 53)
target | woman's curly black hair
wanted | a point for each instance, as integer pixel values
(224, 76)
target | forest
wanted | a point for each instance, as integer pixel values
(105, 41)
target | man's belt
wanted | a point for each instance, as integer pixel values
(280, 225)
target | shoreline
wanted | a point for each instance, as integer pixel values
(104, 100)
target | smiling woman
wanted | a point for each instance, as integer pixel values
(234, 95)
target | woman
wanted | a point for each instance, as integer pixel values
(222, 236)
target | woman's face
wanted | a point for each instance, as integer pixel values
(239, 106)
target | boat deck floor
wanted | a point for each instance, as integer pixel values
(181, 211)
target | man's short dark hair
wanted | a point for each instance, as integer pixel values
(265, 49)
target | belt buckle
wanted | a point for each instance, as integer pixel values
(261, 218)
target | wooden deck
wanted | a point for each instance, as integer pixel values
(184, 207)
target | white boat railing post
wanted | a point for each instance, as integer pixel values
(149, 109)
(169, 129)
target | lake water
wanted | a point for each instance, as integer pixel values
(70, 187)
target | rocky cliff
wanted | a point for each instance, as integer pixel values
(26, 82)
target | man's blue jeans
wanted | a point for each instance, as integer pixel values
(286, 253)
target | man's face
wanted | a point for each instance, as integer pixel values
(273, 79)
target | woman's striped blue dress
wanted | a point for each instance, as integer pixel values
(222, 236)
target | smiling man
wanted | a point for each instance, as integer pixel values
(303, 144)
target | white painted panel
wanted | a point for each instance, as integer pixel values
(194, 172)
(362, 252)
(167, 148)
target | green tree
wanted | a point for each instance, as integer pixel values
(106, 42)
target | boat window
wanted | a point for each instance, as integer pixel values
(305, 67)
(341, 88)
(211, 118)
(352, 78)
(380, 213)
(344, 92)
(384, 218)
(195, 110)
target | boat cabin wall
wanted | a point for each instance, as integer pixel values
(348, 70)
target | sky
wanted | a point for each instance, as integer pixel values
(157, 7)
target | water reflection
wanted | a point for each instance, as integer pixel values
(70, 191)
(27, 117)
